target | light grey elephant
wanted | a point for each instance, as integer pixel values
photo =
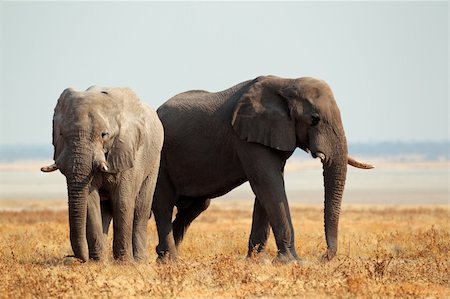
(108, 144)
(214, 142)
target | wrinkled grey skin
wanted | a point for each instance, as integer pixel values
(214, 142)
(108, 144)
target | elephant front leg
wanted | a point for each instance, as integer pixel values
(94, 230)
(278, 214)
(260, 230)
(123, 205)
(263, 168)
(292, 241)
(270, 193)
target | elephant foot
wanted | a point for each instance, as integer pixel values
(98, 260)
(126, 258)
(140, 258)
(284, 261)
(260, 257)
(70, 260)
(98, 256)
(83, 256)
(329, 255)
(295, 256)
(166, 258)
(255, 251)
(286, 258)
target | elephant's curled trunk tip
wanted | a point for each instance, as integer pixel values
(357, 164)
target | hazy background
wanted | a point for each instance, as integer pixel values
(386, 62)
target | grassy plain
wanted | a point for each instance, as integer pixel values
(383, 252)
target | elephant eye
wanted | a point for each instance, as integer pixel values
(315, 119)
(105, 134)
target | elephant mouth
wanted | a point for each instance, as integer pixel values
(319, 155)
(314, 154)
(350, 161)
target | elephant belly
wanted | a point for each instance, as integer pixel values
(207, 178)
(209, 188)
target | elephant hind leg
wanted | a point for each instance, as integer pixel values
(140, 221)
(164, 201)
(188, 208)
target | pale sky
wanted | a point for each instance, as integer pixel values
(387, 63)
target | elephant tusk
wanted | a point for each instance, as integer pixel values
(50, 168)
(358, 164)
(321, 156)
(103, 167)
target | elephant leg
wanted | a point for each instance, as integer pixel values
(292, 242)
(141, 213)
(94, 231)
(260, 230)
(292, 246)
(277, 209)
(163, 203)
(187, 210)
(264, 169)
(123, 204)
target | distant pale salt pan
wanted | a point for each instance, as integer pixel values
(415, 182)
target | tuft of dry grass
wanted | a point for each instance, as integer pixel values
(383, 252)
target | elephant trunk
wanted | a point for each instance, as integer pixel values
(334, 175)
(77, 219)
(78, 176)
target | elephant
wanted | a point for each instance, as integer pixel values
(214, 142)
(107, 143)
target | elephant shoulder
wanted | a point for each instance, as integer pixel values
(194, 93)
(184, 102)
(188, 98)
(153, 126)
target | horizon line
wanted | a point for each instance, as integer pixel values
(349, 142)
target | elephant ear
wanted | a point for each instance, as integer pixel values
(123, 151)
(60, 109)
(261, 115)
(57, 140)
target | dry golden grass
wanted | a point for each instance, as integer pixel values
(384, 252)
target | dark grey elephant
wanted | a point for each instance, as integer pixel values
(214, 142)
(108, 145)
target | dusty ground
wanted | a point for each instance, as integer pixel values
(384, 252)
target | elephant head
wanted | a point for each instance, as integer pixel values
(287, 113)
(93, 133)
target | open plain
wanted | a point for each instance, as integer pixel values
(384, 251)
